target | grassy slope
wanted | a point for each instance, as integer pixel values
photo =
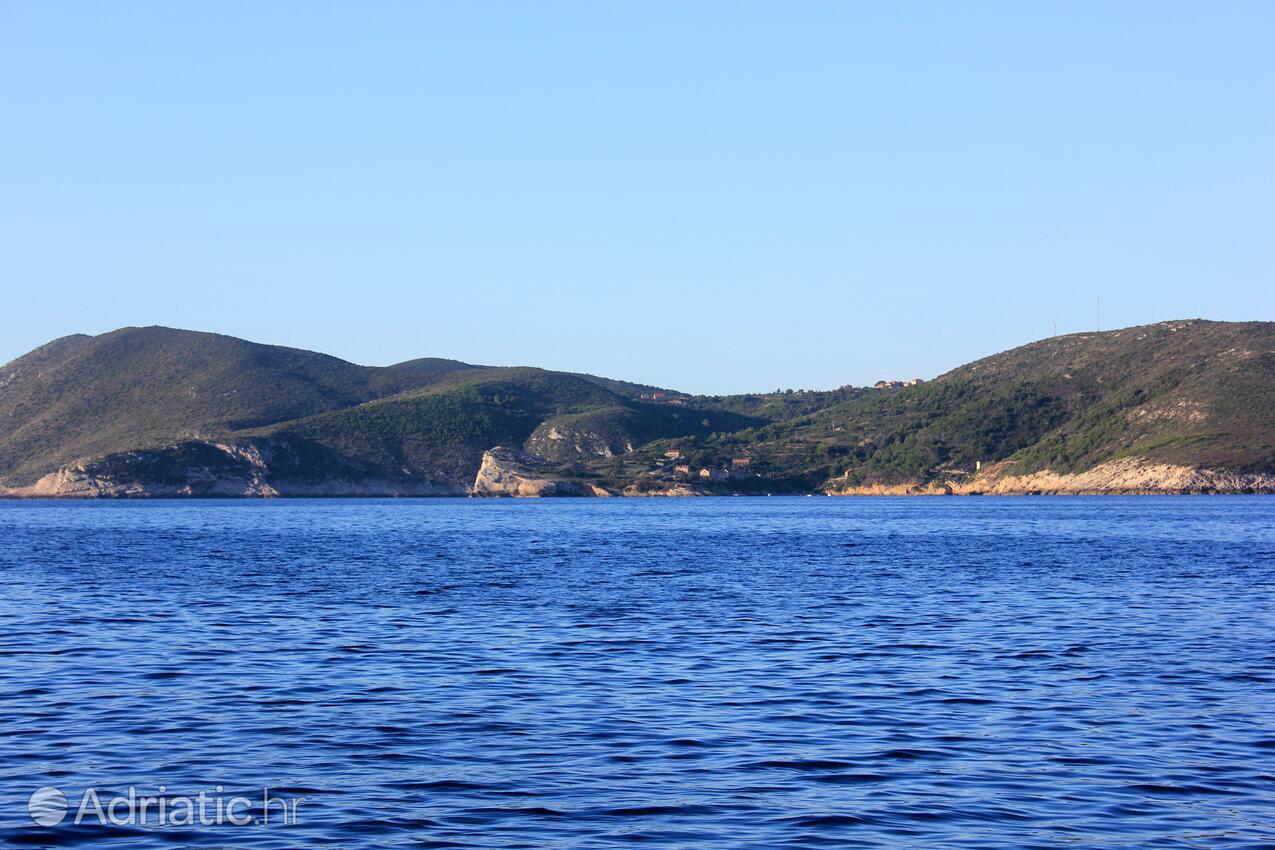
(1195, 393)
(1180, 392)
(441, 432)
(614, 430)
(142, 387)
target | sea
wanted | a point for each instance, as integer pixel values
(694, 673)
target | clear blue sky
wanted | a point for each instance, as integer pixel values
(717, 197)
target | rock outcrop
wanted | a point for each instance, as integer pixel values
(1125, 476)
(558, 441)
(664, 488)
(277, 466)
(197, 468)
(604, 432)
(510, 472)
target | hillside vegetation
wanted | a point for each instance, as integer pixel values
(1187, 393)
(81, 396)
(1192, 393)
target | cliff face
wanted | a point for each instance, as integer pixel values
(560, 441)
(1126, 476)
(197, 468)
(510, 472)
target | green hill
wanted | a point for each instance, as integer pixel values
(1191, 394)
(142, 387)
(441, 432)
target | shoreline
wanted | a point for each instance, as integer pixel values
(509, 473)
(877, 494)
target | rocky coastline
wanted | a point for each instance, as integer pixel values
(266, 469)
(1123, 477)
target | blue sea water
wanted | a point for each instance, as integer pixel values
(697, 673)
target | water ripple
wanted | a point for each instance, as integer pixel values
(700, 674)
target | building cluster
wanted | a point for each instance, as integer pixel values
(895, 385)
(661, 397)
(739, 469)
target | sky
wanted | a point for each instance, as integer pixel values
(712, 196)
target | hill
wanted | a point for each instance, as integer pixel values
(140, 387)
(1186, 405)
(1187, 393)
